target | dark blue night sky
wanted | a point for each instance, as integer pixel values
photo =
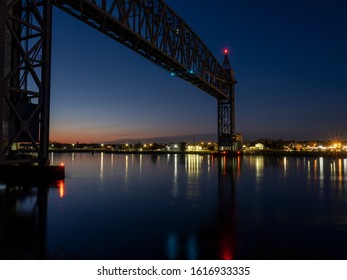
(289, 57)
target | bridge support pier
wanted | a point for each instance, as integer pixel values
(25, 67)
(226, 125)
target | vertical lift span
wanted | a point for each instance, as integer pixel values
(228, 140)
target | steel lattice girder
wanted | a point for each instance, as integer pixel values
(25, 77)
(152, 29)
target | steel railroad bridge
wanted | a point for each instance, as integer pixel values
(149, 27)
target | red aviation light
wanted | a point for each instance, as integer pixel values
(226, 51)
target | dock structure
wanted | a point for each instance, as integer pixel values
(31, 174)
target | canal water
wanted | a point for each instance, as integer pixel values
(133, 206)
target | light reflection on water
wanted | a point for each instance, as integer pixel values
(138, 206)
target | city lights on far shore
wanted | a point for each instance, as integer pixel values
(336, 143)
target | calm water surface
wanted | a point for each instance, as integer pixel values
(113, 206)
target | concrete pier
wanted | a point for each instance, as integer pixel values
(31, 173)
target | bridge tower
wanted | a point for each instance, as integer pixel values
(226, 112)
(25, 58)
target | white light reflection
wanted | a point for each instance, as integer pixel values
(321, 173)
(141, 161)
(112, 161)
(259, 168)
(193, 165)
(258, 163)
(209, 164)
(321, 169)
(101, 165)
(285, 166)
(126, 172)
(175, 176)
(193, 168)
(132, 160)
(338, 176)
(52, 158)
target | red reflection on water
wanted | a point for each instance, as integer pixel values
(227, 253)
(61, 187)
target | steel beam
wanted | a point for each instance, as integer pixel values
(152, 29)
(2, 79)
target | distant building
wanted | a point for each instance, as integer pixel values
(194, 148)
(173, 147)
(238, 142)
(259, 146)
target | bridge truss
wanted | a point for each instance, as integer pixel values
(148, 27)
(25, 57)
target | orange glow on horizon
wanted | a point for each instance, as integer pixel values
(108, 140)
(98, 136)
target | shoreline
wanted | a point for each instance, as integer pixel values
(336, 154)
